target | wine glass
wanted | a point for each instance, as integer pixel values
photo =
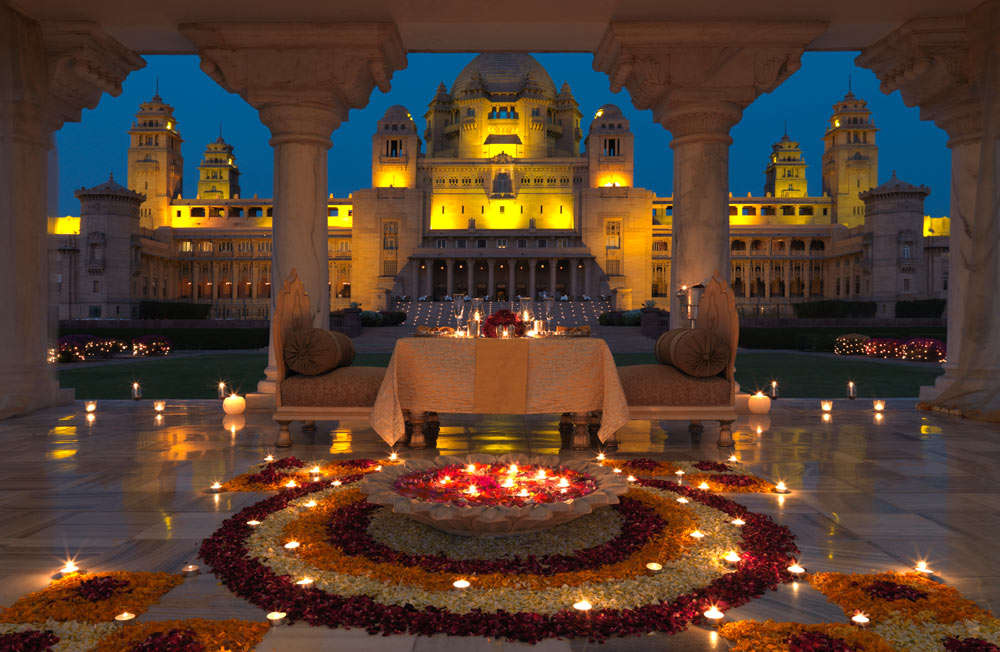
(550, 312)
(458, 306)
(525, 310)
(476, 317)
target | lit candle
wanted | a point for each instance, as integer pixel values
(90, 406)
(795, 569)
(159, 406)
(654, 566)
(523, 493)
(512, 470)
(703, 486)
(852, 391)
(269, 458)
(253, 523)
(136, 391)
(563, 482)
(216, 487)
(292, 545)
(631, 478)
(759, 404)
(471, 468)
(582, 605)
(222, 390)
(234, 404)
(276, 618)
(697, 534)
(508, 483)
(541, 474)
(446, 479)
(679, 474)
(311, 503)
(472, 491)
(738, 522)
(826, 405)
(124, 617)
(336, 483)
(733, 459)
(774, 390)
(683, 500)
(461, 584)
(393, 456)
(860, 619)
(922, 567)
(69, 569)
(290, 484)
(878, 405)
(781, 488)
(600, 457)
(315, 470)
(190, 570)
(714, 616)
(732, 557)
(305, 581)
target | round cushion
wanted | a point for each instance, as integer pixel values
(695, 351)
(315, 351)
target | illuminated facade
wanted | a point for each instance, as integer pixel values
(503, 196)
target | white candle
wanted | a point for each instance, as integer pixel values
(190, 570)
(826, 405)
(90, 406)
(159, 406)
(582, 605)
(461, 584)
(276, 618)
(714, 615)
(234, 404)
(136, 391)
(124, 617)
(860, 619)
(878, 405)
(222, 390)
(759, 404)
(654, 566)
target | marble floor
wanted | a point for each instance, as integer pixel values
(125, 492)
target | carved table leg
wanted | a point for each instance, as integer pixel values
(417, 418)
(695, 427)
(309, 426)
(726, 434)
(284, 436)
(581, 433)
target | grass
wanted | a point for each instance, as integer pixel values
(801, 375)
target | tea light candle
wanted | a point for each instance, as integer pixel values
(136, 391)
(269, 458)
(461, 584)
(703, 486)
(631, 478)
(616, 470)
(781, 488)
(878, 405)
(795, 569)
(738, 522)
(733, 459)
(852, 390)
(393, 456)
(276, 618)
(190, 570)
(714, 616)
(305, 581)
(826, 405)
(774, 390)
(124, 617)
(159, 406)
(216, 487)
(68, 569)
(682, 500)
(600, 457)
(654, 566)
(292, 545)
(222, 390)
(290, 484)
(90, 406)
(732, 558)
(582, 605)
(336, 483)
(860, 619)
(697, 534)
(922, 567)
(234, 404)
(253, 523)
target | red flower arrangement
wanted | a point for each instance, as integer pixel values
(30, 640)
(503, 318)
(886, 590)
(768, 549)
(176, 640)
(818, 642)
(497, 485)
(953, 644)
(100, 588)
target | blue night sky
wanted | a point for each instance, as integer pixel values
(89, 150)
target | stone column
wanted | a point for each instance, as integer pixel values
(588, 289)
(573, 262)
(697, 77)
(553, 264)
(533, 263)
(470, 287)
(788, 279)
(215, 282)
(429, 279)
(48, 75)
(950, 69)
(450, 283)
(491, 283)
(303, 78)
(511, 278)
(768, 271)
(414, 279)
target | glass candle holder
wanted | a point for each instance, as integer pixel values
(136, 391)
(774, 390)
(222, 390)
(852, 390)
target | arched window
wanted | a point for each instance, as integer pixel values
(738, 245)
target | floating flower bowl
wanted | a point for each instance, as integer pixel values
(590, 486)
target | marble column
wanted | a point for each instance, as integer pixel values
(414, 289)
(573, 262)
(49, 74)
(470, 287)
(303, 79)
(532, 266)
(450, 282)
(697, 77)
(950, 68)
(429, 279)
(553, 265)
(588, 288)
(490, 284)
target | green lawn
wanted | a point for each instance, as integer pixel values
(801, 375)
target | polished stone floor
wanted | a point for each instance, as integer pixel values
(126, 492)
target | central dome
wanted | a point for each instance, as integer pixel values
(502, 73)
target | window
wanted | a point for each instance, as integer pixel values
(198, 211)
(460, 244)
(788, 210)
(226, 245)
(442, 243)
(389, 267)
(264, 246)
(613, 232)
(205, 246)
(95, 312)
(501, 244)
(185, 246)
(662, 245)
(343, 246)
(612, 147)
(749, 210)
(244, 246)
(542, 244)
(906, 252)
(333, 211)
(390, 236)
(481, 244)
(501, 209)
(522, 244)
(614, 267)
(906, 285)
(97, 286)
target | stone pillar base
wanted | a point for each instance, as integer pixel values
(979, 398)
(261, 402)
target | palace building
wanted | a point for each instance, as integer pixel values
(506, 193)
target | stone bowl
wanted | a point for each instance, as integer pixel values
(484, 520)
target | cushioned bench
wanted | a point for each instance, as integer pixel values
(663, 392)
(346, 392)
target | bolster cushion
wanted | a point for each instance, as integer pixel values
(315, 351)
(695, 351)
(344, 387)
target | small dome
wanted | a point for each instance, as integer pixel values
(894, 186)
(608, 111)
(110, 187)
(396, 113)
(503, 73)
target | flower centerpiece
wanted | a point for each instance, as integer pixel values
(490, 495)
(503, 318)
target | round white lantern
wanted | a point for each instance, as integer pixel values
(759, 404)
(234, 404)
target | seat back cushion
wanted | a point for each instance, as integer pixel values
(697, 352)
(315, 351)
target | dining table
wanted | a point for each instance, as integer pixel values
(570, 376)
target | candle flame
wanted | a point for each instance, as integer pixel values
(738, 522)
(732, 556)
